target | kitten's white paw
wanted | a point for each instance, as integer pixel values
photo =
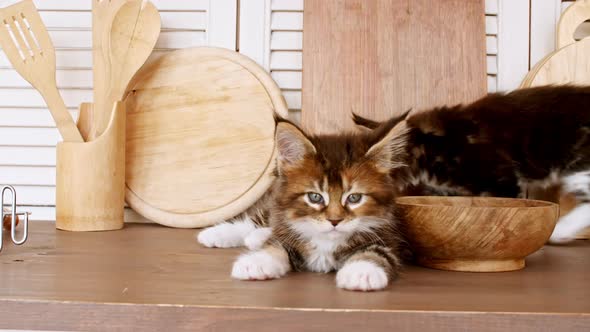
(260, 265)
(257, 238)
(225, 235)
(559, 239)
(561, 235)
(572, 223)
(361, 275)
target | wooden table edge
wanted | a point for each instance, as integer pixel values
(95, 316)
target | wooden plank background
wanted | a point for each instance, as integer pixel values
(381, 58)
(285, 57)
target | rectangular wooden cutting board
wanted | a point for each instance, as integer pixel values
(379, 58)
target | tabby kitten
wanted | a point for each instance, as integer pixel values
(501, 145)
(330, 207)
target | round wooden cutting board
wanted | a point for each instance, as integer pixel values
(200, 136)
(568, 65)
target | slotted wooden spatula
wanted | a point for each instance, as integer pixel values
(25, 41)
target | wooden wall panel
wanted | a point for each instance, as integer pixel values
(379, 58)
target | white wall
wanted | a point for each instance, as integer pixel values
(270, 32)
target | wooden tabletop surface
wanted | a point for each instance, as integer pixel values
(148, 274)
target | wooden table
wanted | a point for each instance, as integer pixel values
(147, 277)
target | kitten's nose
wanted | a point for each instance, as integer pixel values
(335, 222)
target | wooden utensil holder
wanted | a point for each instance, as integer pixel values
(90, 184)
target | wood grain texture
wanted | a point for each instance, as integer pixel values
(27, 45)
(85, 120)
(569, 62)
(148, 277)
(570, 20)
(90, 182)
(380, 58)
(476, 234)
(200, 136)
(133, 35)
(103, 13)
(569, 65)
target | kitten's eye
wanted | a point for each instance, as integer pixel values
(315, 198)
(354, 198)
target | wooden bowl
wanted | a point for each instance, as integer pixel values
(476, 234)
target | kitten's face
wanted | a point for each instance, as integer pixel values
(333, 187)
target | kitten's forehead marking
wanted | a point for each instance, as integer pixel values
(345, 183)
(324, 189)
(336, 193)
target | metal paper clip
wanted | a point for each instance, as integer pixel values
(13, 215)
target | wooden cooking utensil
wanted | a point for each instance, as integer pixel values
(84, 122)
(200, 136)
(379, 58)
(27, 45)
(103, 13)
(134, 32)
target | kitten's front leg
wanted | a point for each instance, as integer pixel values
(271, 262)
(236, 232)
(227, 234)
(368, 270)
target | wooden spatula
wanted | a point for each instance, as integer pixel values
(103, 12)
(133, 35)
(28, 47)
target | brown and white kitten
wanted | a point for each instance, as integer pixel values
(501, 145)
(331, 207)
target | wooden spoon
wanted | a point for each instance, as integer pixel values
(134, 32)
(85, 120)
(103, 13)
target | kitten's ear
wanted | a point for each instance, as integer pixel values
(372, 124)
(390, 151)
(364, 122)
(292, 144)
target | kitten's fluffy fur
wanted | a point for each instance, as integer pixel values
(360, 239)
(501, 145)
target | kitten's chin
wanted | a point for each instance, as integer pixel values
(335, 234)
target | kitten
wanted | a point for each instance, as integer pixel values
(331, 207)
(501, 145)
